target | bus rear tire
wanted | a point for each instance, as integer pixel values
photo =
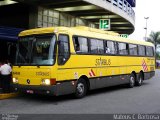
(140, 80)
(131, 81)
(81, 88)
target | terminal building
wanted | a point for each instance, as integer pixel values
(19, 15)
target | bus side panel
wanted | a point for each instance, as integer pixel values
(110, 81)
(102, 71)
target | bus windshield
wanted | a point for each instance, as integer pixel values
(36, 50)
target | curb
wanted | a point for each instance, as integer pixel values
(8, 95)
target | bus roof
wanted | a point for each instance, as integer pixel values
(83, 31)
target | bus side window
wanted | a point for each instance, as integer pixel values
(110, 47)
(133, 49)
(141, 50)
(97, 46)
(76, 43)
(63, 49)
(80, 44)
(149, 51)
(123, 48)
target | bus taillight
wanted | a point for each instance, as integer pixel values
(53, 81)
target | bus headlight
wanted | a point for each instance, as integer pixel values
(48, 81)
(15, 80)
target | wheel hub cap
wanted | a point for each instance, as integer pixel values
(80, 88)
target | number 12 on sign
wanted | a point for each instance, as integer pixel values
(104, 24)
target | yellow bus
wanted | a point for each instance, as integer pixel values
(62, 60)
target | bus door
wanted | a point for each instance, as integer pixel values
(63, 56)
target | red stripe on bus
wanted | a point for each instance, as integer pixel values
(93, 72)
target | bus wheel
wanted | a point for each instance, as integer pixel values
(140, 80)
(81, 88)
(131, 81)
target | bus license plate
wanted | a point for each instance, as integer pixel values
(30, 91)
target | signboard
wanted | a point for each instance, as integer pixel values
(124, 35)
(104, 24)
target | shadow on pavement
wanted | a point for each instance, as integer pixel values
(58, 99)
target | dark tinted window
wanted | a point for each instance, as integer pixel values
(110, 47)
(123, 48)
(97, 46)
(63, 49)
(133, 49)
(141, 50)
(149, 51)
(80, 44)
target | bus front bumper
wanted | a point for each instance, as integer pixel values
(53, 90)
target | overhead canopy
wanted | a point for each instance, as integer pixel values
(9, 33)
(121, 16)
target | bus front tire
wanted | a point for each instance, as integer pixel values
(131, 81)
(81, 88)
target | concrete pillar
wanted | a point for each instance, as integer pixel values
(33, 17)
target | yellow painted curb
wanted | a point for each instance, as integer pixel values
(8, 95)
